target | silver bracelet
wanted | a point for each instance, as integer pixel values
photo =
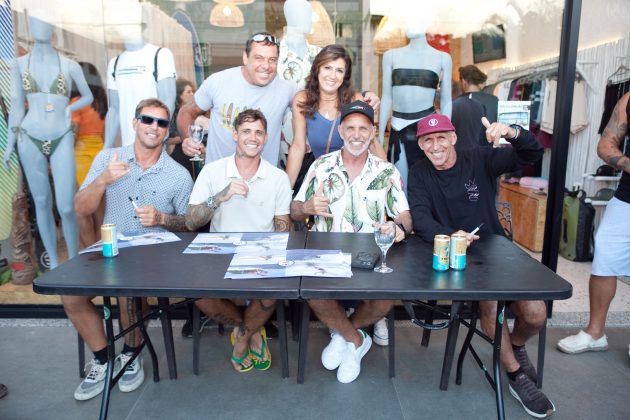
(518, 131)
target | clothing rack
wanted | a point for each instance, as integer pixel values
(544, 68)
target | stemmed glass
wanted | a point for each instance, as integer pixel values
(196, 133)
(384, 235)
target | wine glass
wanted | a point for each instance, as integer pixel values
(196, 132)
(384, 235)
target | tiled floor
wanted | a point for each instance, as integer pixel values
(39, 365)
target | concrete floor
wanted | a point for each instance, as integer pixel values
(39, 366)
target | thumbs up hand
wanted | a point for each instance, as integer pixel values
(495, 131)
(115, 170)
(318, 204)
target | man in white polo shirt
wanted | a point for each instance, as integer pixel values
(242, 193)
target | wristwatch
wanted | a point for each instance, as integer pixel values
(518, 129)
(212, 203)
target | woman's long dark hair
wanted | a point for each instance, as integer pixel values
(180, 85)
(95, 83)
(329, 53)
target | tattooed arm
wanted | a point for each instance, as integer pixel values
(609, 146)
(281, 223)
(174, 222)
(198, 215)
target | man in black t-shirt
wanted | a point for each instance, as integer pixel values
(453, 192)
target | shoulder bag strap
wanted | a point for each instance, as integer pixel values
(332, 128)
(155, 65)
(115, 66)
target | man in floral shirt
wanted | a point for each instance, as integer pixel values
(348, 191)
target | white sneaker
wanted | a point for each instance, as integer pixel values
(381, 332)
(581, 342)
(134, 374)
(94, 381)
(333, 352)
(350, 366)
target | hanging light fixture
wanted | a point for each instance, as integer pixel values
(322, 33)
(226, 15)
(234, 2)
(389, 34)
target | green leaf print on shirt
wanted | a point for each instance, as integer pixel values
(310, 191)
(353, 203)
(329, 223)
(382, 180)
(392, 198)
(374, 210)
(334, 187)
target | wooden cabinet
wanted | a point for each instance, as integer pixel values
(528, 214)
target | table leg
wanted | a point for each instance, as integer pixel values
(451, 342)
(391, 329)
(496, 359)
(196, 338)
(304, 324)
(167, 333)
(111, 354)
(282, 332)
(147, 341)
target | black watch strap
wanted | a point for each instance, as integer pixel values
(518, 129)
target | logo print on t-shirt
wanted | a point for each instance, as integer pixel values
(229, 112)
(472, 190)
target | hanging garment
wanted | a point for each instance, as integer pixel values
(579, 120)
(613, 93)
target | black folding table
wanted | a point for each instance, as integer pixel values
(496, 270)
(163, 271)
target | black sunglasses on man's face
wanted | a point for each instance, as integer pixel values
(149, 120)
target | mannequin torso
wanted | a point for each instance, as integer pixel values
(43, 80)
(410, 74)
(134, 80)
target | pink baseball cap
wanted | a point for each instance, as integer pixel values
(434, 123)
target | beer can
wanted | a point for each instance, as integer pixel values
(458, 252)
(440, 252)
(110, 240)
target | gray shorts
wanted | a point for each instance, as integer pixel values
(612, 241)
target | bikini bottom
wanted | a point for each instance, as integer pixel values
(46, 147)
(407, 138)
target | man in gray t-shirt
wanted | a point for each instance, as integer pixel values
(253, 85)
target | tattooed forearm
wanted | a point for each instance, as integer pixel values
(197, 215)
(281, 223)
(616, 127)
(618, 162)
(609, 146)
(175, 223)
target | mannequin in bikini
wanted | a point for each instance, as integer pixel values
(43, 134)
(142, 71)
(411, 76)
